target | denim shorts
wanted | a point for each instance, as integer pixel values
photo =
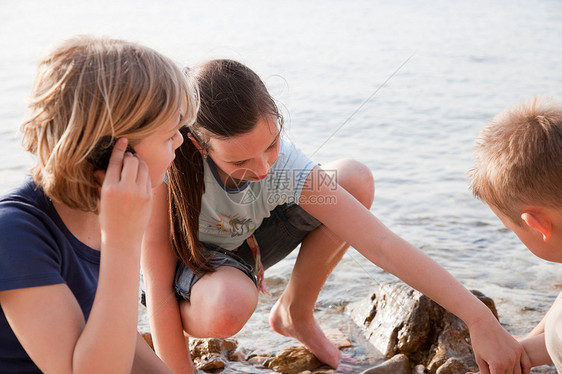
(277, 237)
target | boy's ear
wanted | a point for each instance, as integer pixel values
(538, 221)
(197, 144)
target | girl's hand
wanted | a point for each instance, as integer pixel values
(497, 352)
(126, 197)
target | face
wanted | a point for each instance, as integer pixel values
(247, 157)
(158, 149)
(532, 238)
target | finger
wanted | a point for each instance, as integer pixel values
(142, 173)
(343, 368)
(348, 359)
(525, 363)
(517, 368)
(149, 184)
(144, 177)
(130, 170)
(116, 159)
(483, 366)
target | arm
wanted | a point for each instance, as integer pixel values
(536, 350)
(158, 265)
(146, 362)
(48, 321)
(493, 346)
(534, 342)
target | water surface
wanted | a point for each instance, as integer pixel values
(434, 73)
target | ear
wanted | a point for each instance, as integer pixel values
(197, 145)
(539, 221)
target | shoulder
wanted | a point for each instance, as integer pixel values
(288, 149)
(28, 244)
(22, 208)
(291, 157)
(25, 195)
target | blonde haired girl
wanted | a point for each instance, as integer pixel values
(70, 235)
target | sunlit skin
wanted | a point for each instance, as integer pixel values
(247, 157)
(536, 230)
(539, 230)
(222, 302)
(117, 231)
(158, 149)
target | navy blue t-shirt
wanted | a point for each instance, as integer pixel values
(36, 249)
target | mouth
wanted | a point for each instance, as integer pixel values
(261, 177)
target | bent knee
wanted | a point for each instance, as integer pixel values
(226, 302)
(357, 179)
(228, 324)
(231, 314)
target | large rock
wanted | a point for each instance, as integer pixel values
(397, 319)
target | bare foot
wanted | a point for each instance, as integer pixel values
(305, 330)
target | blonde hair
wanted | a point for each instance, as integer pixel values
(90, 87)
(518, 158)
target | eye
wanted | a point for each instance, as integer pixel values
(239, 163)
(173, 137)
(274, 144)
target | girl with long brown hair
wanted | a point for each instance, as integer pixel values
(240, 198)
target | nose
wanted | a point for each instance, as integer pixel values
(178, 140)
(262, 167)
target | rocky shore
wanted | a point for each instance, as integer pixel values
(410, 333)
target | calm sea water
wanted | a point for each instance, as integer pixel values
(403, 86)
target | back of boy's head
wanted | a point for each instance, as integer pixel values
(91, 87)
(518, 158)
(233, 99)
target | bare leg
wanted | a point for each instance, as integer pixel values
(221, 304)
(293, 314)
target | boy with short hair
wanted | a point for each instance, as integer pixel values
(518, 173)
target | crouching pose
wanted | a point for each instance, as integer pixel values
(240, 198)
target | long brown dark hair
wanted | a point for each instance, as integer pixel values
(233, 99)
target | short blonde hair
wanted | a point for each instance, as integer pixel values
(90, 87)
(518, 158)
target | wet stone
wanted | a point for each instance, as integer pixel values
(399, 364)
(398, 320)
(211, 354)
(293, 360)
